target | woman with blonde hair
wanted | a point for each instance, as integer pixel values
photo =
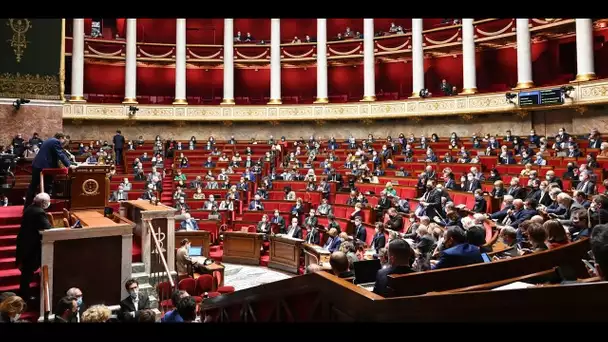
(556, 234)
(11, 308)
(96, 314)
(603, 150)
(526, 172)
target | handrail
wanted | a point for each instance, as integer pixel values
(45, 292)
(160, 252)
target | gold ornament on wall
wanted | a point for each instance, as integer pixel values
(29, 86)
(320, 122)
(227, 123)
(521, 114)
(77, 122)
(179, 123)
(467, 117)
(416, 119)
(19, 41)
(367, 122)
(274, 122)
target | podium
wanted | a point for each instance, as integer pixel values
(95, 258)
(285, 253)
(198, 238)
(162, 219)
(314, 254)
(242, 247)
(90, 186)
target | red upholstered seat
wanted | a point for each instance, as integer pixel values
(164, 292)
(225, 289)
(214, 294)
(188, 285)
(204, 283)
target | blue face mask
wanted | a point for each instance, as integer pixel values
(79, 301)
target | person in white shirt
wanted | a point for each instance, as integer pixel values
(76, 293)
(294, 231)
(131, 306)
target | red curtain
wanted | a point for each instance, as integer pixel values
(105, 79)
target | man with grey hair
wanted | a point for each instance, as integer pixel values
(75, 292)
(29, 245)
(507, 204)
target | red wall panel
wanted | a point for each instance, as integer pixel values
(204, 83)
(394, 78)
(335, 26)
(299, 82)
(252, 83)
(449, 68)
(104, 79)
(259, 28)
(345, 80)
(205, 31)
(297, 27)
(496, 69)
(156, 81)
(156, 30)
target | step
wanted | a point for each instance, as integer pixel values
(10, 277)
(8, 251)
(138, 267)
(11, 220)
(15, 287)
(8, 240)
(7, 263)
(9, 229)
(141, 277)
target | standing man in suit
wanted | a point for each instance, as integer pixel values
(119, 143)
(399, 255)
(360, 232)
(431, 200)
(379, 240)
(29, 245)
(278, 220)
(51, 152)
(131, 306)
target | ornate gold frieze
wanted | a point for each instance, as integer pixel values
(587, 93)
(29, 86)
(19, 41)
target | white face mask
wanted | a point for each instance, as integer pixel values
(16, 318)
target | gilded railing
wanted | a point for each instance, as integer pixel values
(441, 40)
(584, 93)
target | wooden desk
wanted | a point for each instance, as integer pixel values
(197, 238)
(242, 248)
(92, 218)
(285, 253)
(97, 259)
(314, 254)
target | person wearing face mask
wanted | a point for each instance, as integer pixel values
(294, 230)
(75, 292)
(134, 303)
(119, 195)
(29, 246)
(188, 223)
(11, 308)
(574, 152)
(278, 220)
(311, 221)
(457, 251)
(586, 185)
(481, 205)
(471, 183)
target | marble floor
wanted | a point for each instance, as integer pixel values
(243, 277)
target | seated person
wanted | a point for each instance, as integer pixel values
(119, 195)
(360, 231)
(256, 204)
(333, 242)
(476, 236)
(264, 226)
(188, 223)
(311, 221)
(399, 255)
(324, 208)
(294, 230)
(173, 316)
(457, 251)
(182, 259)
(340, 265)
(131, 306)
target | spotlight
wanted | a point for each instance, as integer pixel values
(510, 96)
(18, 102)
(424, 93)
(133, 110)
(567, 91)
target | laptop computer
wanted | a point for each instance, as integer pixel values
(365, 271)
(195, 251)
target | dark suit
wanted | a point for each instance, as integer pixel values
(500, 215)
(381, 286)
(451, 184)
(378, 242)
(395, 223)
(127, 306)
(544, 199)
(521, 216)
(48, 157)
(596, 143)
(459, 255)
(588, 187)
(333, 244)
(500, 193)
(516, 192)
(480, 205)
(29, 246)
(360, 233)
(433, 198)
(471, 186)
(311, 222)
(280, 222)
(119, 143)
(297, 233)
(384, 203)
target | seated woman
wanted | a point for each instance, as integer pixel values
(264, 227)
(556, 234)
(298, 208)
(290, 195)
(499, 190)
(494, 176)
(537, 236)
(198, 195)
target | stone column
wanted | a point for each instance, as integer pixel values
(469, 82)
(228, 62)
(77, 91)
(322, 96)
(131, 63)
(369, 78)
(417, 58)
(524, 55)
(180, 63)
(585, 69)
(275, 61)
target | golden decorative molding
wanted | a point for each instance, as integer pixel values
(62, 63)
(29, 86)
(19, 41)
(587, 93)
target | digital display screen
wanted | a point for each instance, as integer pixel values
(541, 97)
